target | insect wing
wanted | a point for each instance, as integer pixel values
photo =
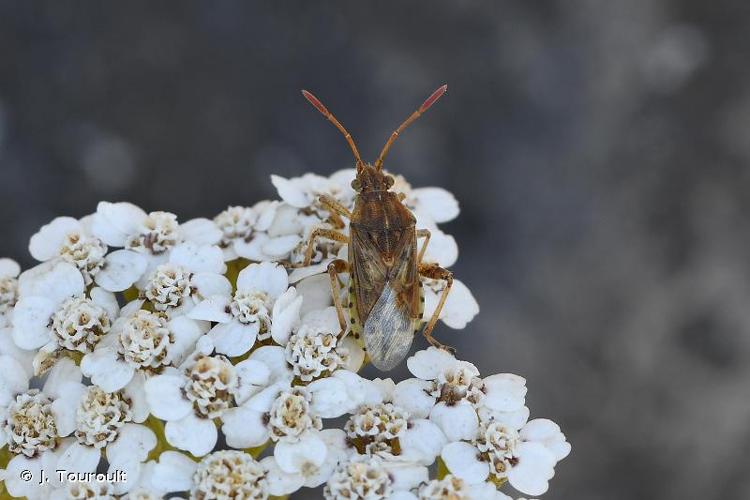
(389, 330)
(369, 272)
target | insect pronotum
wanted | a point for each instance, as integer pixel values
(386, 300)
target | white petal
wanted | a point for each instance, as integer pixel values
(164, 396)
(174, 472)
(428, 364)
(234, 338)
(55, 280)
(193, 434)
(548, 433)
(300, 273)
(31, 318)
(316, 293)
(442, 249)
(46, 243)
(262, 401)
(406, 476)
(285, 315)
(288, 221)
(186, 332)
(461, 460)
(106, 370)
(438, 203)
(114, 222)
(504, 392)
(457, 422)
(200, 231)
(136, 393)
(534, 469)
(65, 371)
(210, 284)
(275, 359)
(294, 457)
(360, 390)
(214, 308)
(280, 483)
(198, 258)
(411, 395)
(244, 427)
(9, 268)
(134, 442)
(129, 471)
(355, 353)
(460, 306)
(281, 245)
(252, 250)
(79, 458)
(268, 277)
(33, 489)
(252, 376)
(291, 192)
(121, 269)
(422, 442)
(13, 379)
(65, 408)
(105, 300)
(330, 398)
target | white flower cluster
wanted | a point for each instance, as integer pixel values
(202, 359)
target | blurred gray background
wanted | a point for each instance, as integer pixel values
(598, 150)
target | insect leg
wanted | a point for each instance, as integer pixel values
(436, 272)
(324, 233)
(423, 233)
(336, 209)
(334, 268)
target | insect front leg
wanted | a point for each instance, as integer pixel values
(334, 268)
(433, 271)
(323, 233)
(336, 209)
(423, 233)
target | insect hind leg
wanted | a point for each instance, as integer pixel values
(433, 271)
(336, 209)
(334, 268)
(426, 234)
(322, 233)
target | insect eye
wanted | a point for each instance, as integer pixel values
(356, 185)
(389, 181)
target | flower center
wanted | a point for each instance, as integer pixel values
(456, 384)
(360, 478)
(211, 385)
(375, 429)
(8, 294)
(84, 252)
(229, 474)
(235, 223)
(79, 324)
(168, 286)
(497, 445)
(30, 424)
(145, 340)
(448, 488)
(159, 235)
(252, 307)
(92, 490)
(290, 415)
(312, 352)
(100, 416)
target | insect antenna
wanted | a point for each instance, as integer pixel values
(324, 111)
(424, 107)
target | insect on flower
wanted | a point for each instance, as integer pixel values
(386, 299)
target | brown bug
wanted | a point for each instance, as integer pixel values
(386, 300)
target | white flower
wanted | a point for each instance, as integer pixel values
(241, 226)
(312, 474)
(33, 423)
(504, 446)
(147, 239)
(276, 232)
(9, 271)
(109, 421)
(262, 307)
(371, 478)
(460, 306)
(221, 474)
(140, 341)
(314, 349)
(71, 240)
(430, 203)
(454, 488)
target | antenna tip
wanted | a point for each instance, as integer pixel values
(434, 97)
(314, 101)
